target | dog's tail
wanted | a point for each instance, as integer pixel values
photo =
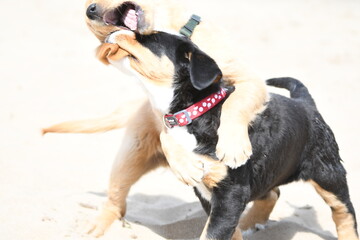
(117, 119)
(95, 125)
(297, 89)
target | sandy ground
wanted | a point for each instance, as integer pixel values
(51, 186)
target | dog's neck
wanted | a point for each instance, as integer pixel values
(203, 128)
(185, 95)
(159, 96)
(201, 135)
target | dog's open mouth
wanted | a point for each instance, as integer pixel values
(127, 15)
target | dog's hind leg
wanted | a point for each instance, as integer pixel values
(343, 214)
(237, 234)
(140, 152)
(260, 211)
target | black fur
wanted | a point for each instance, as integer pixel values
(290, 141)
(205, 127)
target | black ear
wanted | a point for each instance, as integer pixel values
(203, 70)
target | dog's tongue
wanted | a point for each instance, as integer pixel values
(130, 19)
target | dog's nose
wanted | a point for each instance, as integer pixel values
(93, 11)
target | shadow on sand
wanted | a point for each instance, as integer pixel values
(172, 218)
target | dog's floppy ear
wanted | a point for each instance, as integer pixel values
(203, 70)
(110, 51)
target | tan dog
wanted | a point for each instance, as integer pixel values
(250, 91)
(142, 151)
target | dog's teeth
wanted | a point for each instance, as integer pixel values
(130, 19)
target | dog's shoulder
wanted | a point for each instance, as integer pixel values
(284, 120)
(281, 111)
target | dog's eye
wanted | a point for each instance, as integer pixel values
(188, 55)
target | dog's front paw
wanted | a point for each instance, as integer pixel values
(116, 36)
(233, 148)
(186, 166)
(108, 215)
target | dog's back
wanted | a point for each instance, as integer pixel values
(322, 140)
(290, 137)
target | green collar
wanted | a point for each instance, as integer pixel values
(190, 26)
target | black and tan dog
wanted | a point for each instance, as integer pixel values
(290, 139)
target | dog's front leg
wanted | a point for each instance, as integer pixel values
(236, 236)
(226, 208)
(234, 146)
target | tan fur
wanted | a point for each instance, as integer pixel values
(237, 235)
(151, 69)
(157, 70)
(260, 211)
(344, 221)
(215, 172)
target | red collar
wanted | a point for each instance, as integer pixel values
(185, 117)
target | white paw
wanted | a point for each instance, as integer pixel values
(234, 159)
(190, 174)
(233, 150)
(185, 164)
